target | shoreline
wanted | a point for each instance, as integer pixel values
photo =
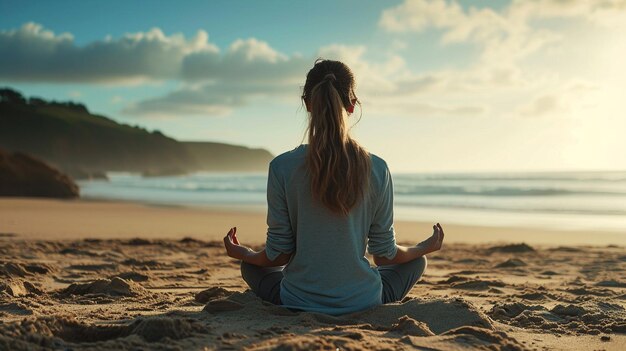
(567, 202)
(52, 219)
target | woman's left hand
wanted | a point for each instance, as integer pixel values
(233, 248)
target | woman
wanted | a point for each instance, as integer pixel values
(327, 201)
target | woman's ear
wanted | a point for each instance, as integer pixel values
(350, 108)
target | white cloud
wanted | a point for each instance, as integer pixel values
(213, 82)
(270, 75)
(386, 87)
(178, 104)
(254, 50)
(32, 53)
(390, 88)
(420, 15)
(505, 36)
(508, 38)
(247, 61)
(209, 99)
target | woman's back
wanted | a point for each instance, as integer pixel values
(328, 271)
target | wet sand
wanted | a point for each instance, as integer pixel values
(72, 219)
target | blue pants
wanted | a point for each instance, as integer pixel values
(397, 279)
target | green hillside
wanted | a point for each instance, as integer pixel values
(68, 136)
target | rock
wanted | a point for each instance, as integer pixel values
(24, 175)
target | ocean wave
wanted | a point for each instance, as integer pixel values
(189, 187)
(402, 186)
(610, 177)
(497, 191)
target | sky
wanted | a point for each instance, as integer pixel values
(446, 86)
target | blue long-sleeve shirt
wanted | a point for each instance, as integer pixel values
(328, 271)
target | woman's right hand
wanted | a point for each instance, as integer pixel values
(435, 242)
(233, 248)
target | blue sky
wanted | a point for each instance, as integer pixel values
(293, 26)
(445, 85)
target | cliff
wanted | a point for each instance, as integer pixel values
(68, 136)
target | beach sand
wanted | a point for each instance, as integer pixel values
(105, 275)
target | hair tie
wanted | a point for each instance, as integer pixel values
(330, 76)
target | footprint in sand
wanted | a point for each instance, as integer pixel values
(15, 308)
(18, 287)
(222, 305)
(212, 293)
(477, 284)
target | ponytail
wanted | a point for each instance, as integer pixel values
(339, 167)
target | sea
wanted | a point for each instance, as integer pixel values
(563, 200)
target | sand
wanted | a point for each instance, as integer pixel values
(71, 219)
(94, 275)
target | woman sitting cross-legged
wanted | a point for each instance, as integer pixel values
(328, 202)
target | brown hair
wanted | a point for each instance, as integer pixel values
(339, 167)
